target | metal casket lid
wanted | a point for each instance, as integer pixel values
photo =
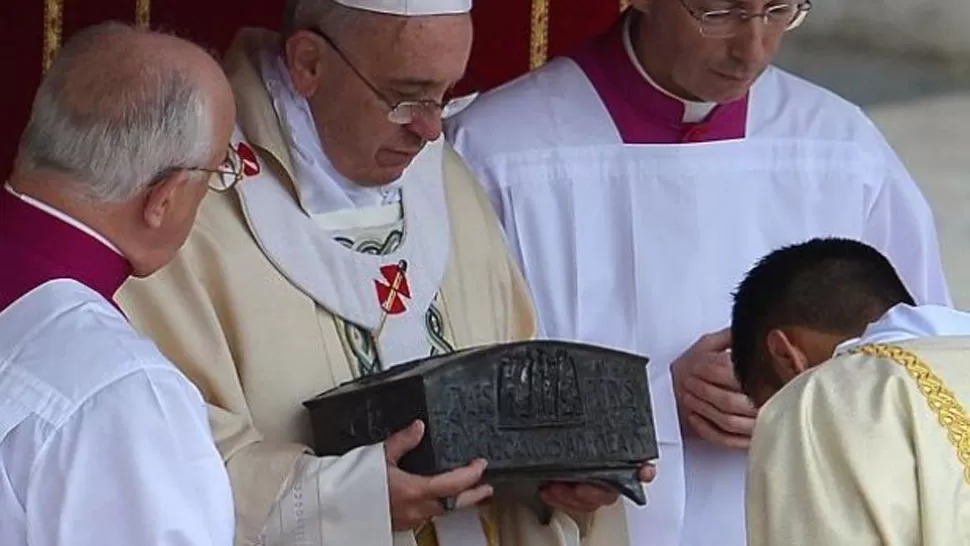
(541, 405)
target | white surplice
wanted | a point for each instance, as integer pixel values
(102, 440)
(639, 246)
(905, 322)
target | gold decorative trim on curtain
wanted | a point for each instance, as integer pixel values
(539, 41)
(143, 13)
(53, 25)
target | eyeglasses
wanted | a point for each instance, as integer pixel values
(229, 173)
(225, 176)
(402, 112)
(725, 23)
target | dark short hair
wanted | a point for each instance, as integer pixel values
(830, 285)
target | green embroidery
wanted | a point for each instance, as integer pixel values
(360, 341)
(375, 247)
(435, 322)
(362, 345)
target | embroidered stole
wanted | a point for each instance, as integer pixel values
(359, 343)
(944, 404)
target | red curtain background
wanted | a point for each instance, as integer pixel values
(509, 36)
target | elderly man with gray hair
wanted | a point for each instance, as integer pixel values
(357, 241)
(102, 440)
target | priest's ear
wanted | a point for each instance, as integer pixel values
(303, 60)
(787, 358)
(172, 196)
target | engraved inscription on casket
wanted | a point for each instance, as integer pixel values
(536, 406)
(366, 420)
(535, 410)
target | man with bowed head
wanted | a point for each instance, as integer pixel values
(356, 241)
(863, 396)
(636, 179)
(102, 440)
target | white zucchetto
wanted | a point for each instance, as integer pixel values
(410, 8)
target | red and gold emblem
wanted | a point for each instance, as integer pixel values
(250, 165)
(393, 290)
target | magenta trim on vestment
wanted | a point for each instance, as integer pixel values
(641, 112)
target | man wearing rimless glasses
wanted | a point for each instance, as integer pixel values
(354, 240)
(639, 176)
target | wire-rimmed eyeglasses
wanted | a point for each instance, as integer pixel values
(402, 112)
(725, 23)
(227, 175)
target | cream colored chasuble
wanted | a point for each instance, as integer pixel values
(383, 300)
(254, 326)
(378, 273)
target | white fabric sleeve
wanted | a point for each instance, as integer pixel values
(566, 529)
(135, 464)
(900, 223)
(335, 501)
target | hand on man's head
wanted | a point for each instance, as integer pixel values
(709, 398)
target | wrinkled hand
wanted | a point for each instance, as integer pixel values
(584, 498)
(416, 499)
(709, 398)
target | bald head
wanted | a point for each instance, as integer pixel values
(120, 107)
